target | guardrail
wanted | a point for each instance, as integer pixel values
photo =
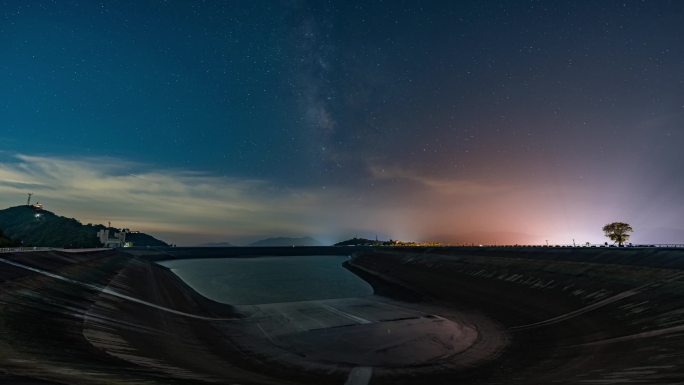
(601, 245)
(651, 245)
(22, 249)
(668, 245)
(677, 245)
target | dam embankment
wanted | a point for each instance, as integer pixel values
(597, 316)
(538, 315)
(101, 318)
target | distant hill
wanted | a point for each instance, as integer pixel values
(216, 244)
(284, 241)
(142, 239)
(369, 242)
(359, 242)
(30, 226)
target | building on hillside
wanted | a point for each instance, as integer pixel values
(118, 239)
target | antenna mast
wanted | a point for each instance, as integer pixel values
(28, 201)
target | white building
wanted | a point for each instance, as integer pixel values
(118, 239)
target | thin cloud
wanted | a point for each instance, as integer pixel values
(440, 185)
(190, 207)
(170, 201)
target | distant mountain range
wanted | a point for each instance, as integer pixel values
(285, 241)
(30, 226)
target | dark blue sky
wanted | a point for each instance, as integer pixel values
(384, 103)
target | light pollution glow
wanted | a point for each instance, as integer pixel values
(190, 207)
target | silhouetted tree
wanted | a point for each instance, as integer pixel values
(618, 232)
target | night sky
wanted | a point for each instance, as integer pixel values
(482, 121)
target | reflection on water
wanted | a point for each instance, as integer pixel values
(248, 281)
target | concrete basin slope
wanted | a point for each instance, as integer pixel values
(438, 316)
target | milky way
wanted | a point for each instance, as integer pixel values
(457, 121)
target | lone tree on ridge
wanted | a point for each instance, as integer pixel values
(618, 232)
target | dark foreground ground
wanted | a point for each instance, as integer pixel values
(439, 316)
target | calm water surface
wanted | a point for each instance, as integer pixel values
(248, 281)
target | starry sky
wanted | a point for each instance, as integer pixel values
(469, 121)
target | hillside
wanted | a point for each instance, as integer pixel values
(6, 242)
(359, 242)
(369, 242)
(30, 226)
(142, 239)
(285, 241)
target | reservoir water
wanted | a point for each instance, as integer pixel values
(250, 281)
